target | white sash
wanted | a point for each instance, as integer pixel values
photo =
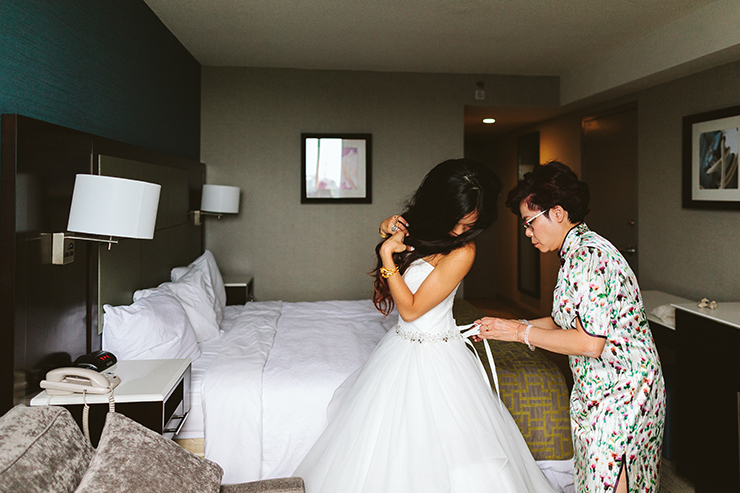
(474, 330)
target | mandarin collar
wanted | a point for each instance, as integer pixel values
(571, 239)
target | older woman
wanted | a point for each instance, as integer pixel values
(617, 405)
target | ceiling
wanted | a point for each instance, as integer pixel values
(577, 40)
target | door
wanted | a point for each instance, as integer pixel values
(609, 166)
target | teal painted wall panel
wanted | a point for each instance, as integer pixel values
(106, 67)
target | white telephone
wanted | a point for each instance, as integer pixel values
(66, 381)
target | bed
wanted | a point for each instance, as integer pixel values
(263, 373)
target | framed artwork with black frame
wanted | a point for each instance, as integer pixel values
(336, 168)
(710, 160)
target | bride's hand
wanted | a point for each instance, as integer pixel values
(395, 244)
(393, 225)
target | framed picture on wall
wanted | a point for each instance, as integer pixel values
(335, 168)
(710, 160)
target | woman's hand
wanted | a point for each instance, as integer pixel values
(393, 225)
(499, 329)
(394, 244)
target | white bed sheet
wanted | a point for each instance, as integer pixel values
(260, 424)
(317, 346)
(193, 426)
(232, 392)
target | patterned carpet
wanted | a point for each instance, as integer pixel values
(532, 388)
(670, 481)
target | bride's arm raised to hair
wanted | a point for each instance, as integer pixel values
(449, 271)
(385, 227)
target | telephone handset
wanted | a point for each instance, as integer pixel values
(66, 381)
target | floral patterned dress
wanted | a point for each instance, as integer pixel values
(617, 406)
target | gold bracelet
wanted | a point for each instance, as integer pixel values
(381, 233)
(386, 273)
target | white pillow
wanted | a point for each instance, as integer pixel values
(194, 300)
(211, 280)
(154, 327)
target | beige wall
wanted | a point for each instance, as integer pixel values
(250, 137)
(690, 253)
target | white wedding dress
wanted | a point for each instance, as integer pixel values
(419, 416)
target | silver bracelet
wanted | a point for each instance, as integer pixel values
(526, 338)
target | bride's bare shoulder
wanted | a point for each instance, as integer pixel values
(464, 254)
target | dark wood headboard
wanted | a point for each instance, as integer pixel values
(49, 313)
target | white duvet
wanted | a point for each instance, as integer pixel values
(317, 346)
(265, 394)
(231, 392)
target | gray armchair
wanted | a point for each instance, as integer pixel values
(43, 450)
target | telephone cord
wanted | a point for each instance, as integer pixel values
(85, 416)
(86, 412)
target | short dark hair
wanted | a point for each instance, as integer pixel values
(549, 185)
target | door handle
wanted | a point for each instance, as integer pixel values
(630, 250)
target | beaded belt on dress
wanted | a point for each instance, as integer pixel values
(423, 337)
(451, 335)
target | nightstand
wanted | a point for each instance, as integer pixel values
(155, 393)
(239, 289)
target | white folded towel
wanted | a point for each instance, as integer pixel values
(666, 314)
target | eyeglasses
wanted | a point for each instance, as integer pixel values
(528, 223)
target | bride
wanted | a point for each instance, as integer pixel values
(419, 416)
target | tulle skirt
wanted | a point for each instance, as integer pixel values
(419, 417)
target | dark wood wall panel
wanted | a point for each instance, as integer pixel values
(48, 313)
(7, 260)
(49, 301)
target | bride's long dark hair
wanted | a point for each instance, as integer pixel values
(449, 192)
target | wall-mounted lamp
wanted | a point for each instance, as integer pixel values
(217, 200)
(104, 206)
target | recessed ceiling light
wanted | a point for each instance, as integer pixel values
(489, 120)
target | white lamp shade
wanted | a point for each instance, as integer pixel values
(220, 198)
(110, 206)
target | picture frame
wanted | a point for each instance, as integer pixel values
(336, 168)
(710, 160)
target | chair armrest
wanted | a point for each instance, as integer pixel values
(281, 485)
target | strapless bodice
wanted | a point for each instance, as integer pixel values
(438, 322)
